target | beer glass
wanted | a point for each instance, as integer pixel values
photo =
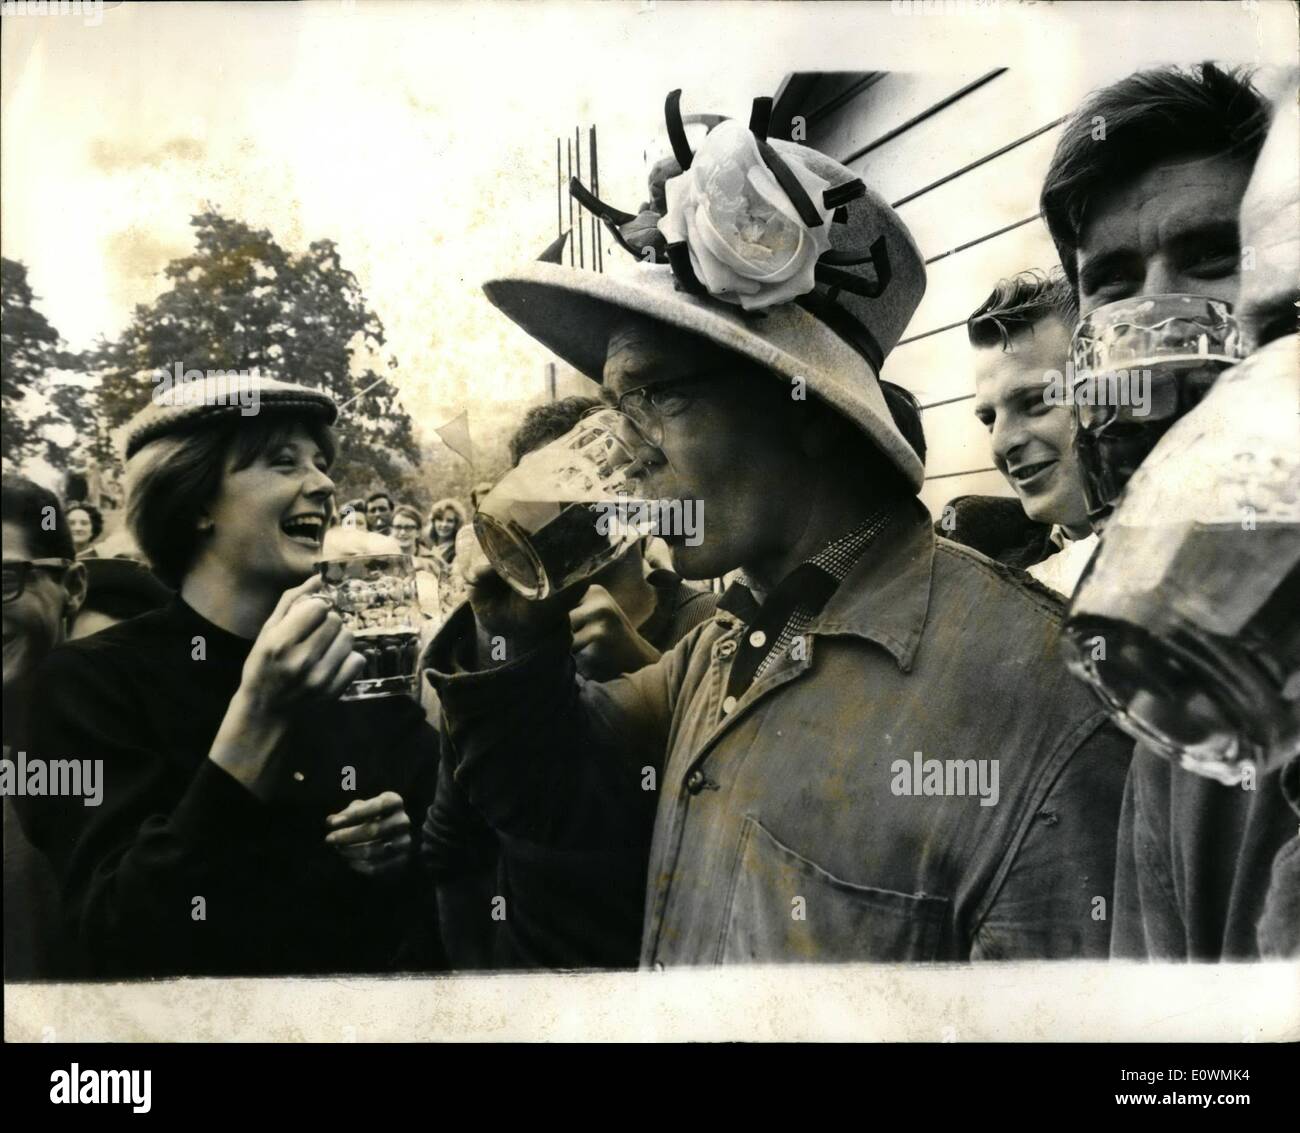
(1185, 622)
(1175, 346)
(377, 599)
(568, 509)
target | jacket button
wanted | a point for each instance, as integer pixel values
(726, 649)
(298, 776)
(695, 781)
(729, 705)
(758, 639)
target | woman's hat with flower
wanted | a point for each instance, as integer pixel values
(774, 251)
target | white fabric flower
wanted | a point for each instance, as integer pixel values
(746, 240)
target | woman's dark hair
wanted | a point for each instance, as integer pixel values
(36, 511)
(1149, 117)
(173, 479)
(96, 517)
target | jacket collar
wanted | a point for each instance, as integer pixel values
(886, 596)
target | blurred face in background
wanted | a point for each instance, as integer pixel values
(80, 528)
(1032, 438)
(405, 529)
(352, 514)
(445, 524)
(379, 514)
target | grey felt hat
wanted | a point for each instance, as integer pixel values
(865, 286)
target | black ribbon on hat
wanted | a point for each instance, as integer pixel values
(830, 266)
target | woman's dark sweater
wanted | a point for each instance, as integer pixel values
(147, 697)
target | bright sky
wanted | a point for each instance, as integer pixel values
(419, 136)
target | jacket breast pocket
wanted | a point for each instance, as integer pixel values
(783, 908)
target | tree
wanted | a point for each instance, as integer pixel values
(35, 398)
(241, 302)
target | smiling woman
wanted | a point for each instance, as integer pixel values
(251, 822)
(183, 489)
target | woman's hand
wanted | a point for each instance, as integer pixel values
(303, 652)
(372, 835)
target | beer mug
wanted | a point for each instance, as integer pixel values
(377, 598)
(1139, 365)
(562, 514)
(1186, 622)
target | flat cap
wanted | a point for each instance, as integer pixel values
(179, 406)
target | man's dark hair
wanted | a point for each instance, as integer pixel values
(36, 511)
(96, 516)
(172, 479)
(545, 423)
(380, 495)
(1149, 117)
(1018, 304)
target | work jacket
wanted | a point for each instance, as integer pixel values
(793, 824)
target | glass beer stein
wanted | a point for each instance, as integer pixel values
(562, 514)
(376, 596)
(1139, 365)
(1187, 620)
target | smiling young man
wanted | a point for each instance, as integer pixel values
(1021, 336)
(1144, 188)
(761, 755)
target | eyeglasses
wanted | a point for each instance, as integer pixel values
(405, 527)
(16, 571)
(647, 406)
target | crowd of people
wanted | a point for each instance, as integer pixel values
(868, 747)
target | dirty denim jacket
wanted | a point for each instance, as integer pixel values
(792, 828)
